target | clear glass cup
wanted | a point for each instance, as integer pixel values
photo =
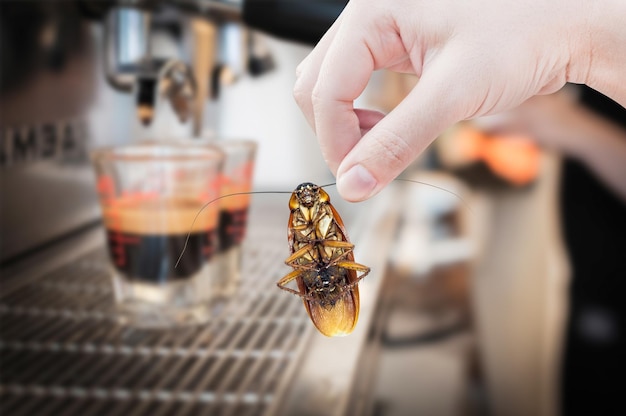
(150, 195)
(237, 176)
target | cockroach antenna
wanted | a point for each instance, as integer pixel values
(215, 200)
(467, 205)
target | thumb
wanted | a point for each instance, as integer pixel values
(395, 141)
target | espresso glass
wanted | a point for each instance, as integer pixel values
(162, 243)
(236, 182)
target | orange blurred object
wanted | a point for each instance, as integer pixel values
(514, 158)
(469, 142)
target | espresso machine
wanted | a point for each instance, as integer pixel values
(81, 74)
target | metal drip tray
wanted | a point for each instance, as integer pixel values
(62, 351)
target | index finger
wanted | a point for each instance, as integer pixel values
(308, 70)
(343, 75)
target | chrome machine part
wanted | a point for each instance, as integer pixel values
(127, 46)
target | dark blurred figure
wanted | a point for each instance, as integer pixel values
(589, 130)
(594, 225)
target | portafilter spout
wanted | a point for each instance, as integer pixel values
(131, 67)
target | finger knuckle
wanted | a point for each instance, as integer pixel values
(396, 151)
(301, 93)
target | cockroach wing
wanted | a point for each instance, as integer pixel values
(338, 320)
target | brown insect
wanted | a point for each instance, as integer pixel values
(322, 258)
(323, 261)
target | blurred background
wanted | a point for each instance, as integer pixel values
(495, 291)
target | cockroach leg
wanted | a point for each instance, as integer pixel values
(288, 278)
(350, 265)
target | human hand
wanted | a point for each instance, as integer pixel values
(473, 58)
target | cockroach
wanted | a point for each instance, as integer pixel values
(322, 259)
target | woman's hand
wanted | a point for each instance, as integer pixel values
(473, 58)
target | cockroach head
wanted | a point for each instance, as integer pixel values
(307, 193)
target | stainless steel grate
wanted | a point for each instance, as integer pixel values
(62, 351)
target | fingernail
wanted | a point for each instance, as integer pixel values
(356, 184)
